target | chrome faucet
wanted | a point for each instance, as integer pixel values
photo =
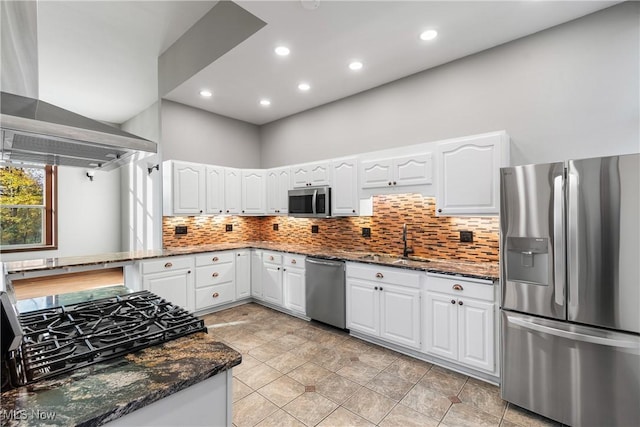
(407, 250)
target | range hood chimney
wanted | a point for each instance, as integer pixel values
(35, 131)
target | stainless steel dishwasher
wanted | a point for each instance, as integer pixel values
(325, 291)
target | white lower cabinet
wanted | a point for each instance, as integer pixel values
(459, 321)
(215, 279)
(272, 277)
(293, 281)
(256, 273)
(170, 278)
(243, 274)
(384, 302)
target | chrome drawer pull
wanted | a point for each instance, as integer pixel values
(457, 287)
(271, 258)
(214, 259)
(379, 275)
(215, 295)
(168, 265)
(293, 261)
(215, 274)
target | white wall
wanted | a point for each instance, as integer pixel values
(570, 91)
(141, 191)
(199, 136)
(88, 215)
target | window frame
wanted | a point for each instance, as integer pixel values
(50, 225)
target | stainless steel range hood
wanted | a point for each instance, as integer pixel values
(35, 131)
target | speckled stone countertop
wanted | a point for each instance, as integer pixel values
(479, 270)
(103, 392)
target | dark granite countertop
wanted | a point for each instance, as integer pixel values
(103, 392)
(479, 270)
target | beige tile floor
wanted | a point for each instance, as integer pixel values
(297, 373)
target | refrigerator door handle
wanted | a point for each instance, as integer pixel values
(576, 336)
(572, 239)
(558, 240)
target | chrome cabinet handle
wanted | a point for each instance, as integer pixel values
(293, 261)
(168, 265)
(214, 259)
(271, 258)
(215, 295)
(460, 302)
(379, 275)
(457, 287)
(453, 301)
(215, 274)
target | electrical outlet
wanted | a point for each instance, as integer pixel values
(275, 227)
(466, 236)
(181, 229)
(228, 227)
(314, 228)
(366, 232)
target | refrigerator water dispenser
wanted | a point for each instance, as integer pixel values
(528, 260)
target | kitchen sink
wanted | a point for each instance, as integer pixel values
(390, 259)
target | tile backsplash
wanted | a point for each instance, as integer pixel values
(429, 236)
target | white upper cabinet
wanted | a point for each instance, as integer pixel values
(469, 174)
(232, 191)
(253, 191)
(344, 192)
(311, 174)
(414, 169)
(278, 184)
(215, 189)
(184, 188)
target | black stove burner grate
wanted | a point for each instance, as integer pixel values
(62, 339)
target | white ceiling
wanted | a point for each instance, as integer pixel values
(98, 58)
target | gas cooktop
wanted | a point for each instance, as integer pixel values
(61, 339)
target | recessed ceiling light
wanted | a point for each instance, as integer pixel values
(355, 65)
(282, 50)
(206, 93)
(304, 86)
(265, 102)
(429, 35)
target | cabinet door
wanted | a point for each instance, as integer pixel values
(243, 274)
(363, 307)
(376, 173)
(215, 190)
(400, 315)
(256, 274)
(284, 184)
(294, 289)
(188, 188)
(300, 176)
(475, 334)
(441, 325)
(174, 286)
(253, 189)
(469, 176)
(319, 174)
(232, 191)
(416, 169)
(272, 283)
(273, 191)
(345, 188)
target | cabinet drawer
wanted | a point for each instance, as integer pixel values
(214, 274)
(473, 288)
(167, 264)
(395, 276)
(272, 257)
(293, 260)
(214, 295)
(214, 258)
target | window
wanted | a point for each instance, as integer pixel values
(27, 208)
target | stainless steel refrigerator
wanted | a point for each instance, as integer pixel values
(570, 296)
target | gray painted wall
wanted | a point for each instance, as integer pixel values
(570, 91)
(195, 135)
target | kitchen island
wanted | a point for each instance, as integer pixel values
(186, 381)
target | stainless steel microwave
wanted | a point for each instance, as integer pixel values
(310, 202)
